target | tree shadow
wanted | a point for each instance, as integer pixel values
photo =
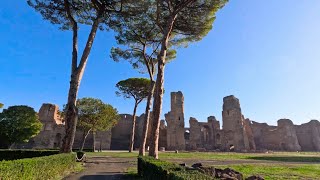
(109, 176)
(309, 159)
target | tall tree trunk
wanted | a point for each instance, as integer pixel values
(71, 116)
(84, 139)
(133, 126)
(142, 150)
(76, 76)
(157, 103)
(94, 141)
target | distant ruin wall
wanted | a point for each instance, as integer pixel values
(175, 122)
(237, 132)
(232, 118)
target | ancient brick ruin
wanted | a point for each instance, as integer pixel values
(237, 132)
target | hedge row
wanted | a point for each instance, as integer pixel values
(150, 168)
(48, 167)
(20, 154)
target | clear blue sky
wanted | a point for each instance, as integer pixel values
(266, 53)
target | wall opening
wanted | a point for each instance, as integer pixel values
(187, 135)
(57, 141)
(205, 134)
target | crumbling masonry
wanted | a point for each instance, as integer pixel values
(237, 132)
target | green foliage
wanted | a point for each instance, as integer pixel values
(21, 154)
(138, 40)
(1, 105)
(83, 12)
(138, 88)
(150, 168)
(48, 167)
(96, 115)
(18, 124)
(194, 19)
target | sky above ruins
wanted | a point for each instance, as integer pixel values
(266, 53)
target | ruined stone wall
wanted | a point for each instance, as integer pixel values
(53, 131)
(52, 128)
(162, 135)
(120, 139)
(243, 134)
(122, 131)
(248, 131)
(233, 124)
(203, 134)
(175, 122)
(309, 135)
(195, 134)
(288, 136)
(280, 138)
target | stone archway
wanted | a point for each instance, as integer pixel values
(205, 134)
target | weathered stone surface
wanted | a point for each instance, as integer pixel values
(237, 133)
(225, 174)
(50, 137)
(288, 136)
(309, 135)
(175, 122)
(248, 131)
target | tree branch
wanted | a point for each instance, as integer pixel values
(89, 43)
(74, 38)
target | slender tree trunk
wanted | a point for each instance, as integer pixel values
(71, 116)
(142, 150)
(157, 103)
(76, 76)
(84, 139)
(94, 141)
(133, 127)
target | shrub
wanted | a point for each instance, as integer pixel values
(150, 168)
(20, 154)
(48, 167)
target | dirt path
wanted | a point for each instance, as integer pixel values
(105, 168)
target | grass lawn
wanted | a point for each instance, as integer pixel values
(277, 156)
(277, 165)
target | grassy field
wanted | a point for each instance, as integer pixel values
(277, 165)
(276, 156)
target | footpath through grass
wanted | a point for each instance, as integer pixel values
(273, 166)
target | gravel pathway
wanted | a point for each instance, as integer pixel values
(104, 168)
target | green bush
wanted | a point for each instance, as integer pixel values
(20, 154)
(48, 167)
(150, 168)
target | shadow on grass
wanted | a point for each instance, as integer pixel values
(310, 159)
(111, 177)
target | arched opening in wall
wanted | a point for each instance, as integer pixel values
(218, 139)
(57, 141)
(187, 135)
(205, 134)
